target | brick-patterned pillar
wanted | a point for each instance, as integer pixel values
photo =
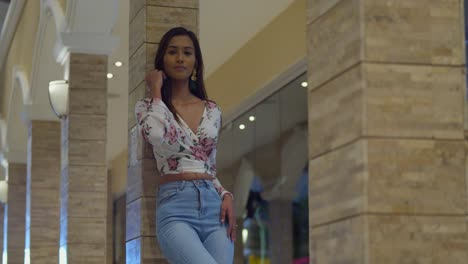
(43, 192)
(149, 20)
(386, 100)
(15, 217)
(281, 231)
(84, 183)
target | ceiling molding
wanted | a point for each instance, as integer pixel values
(9, 28)
(270, 88)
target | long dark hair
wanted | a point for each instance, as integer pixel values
(199, 87)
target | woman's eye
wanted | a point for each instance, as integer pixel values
(188, 53)
(171, 52)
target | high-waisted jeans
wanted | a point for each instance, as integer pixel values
(188, 224)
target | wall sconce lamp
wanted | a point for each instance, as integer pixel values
(58, 97)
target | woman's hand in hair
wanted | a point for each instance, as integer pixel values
(154, 81)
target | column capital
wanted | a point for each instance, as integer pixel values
(84, 42)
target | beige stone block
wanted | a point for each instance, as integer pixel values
(88, 71)
(414, 101)
(87, 178)
(316, 8)
(138, 148)
(86, 253)
(88, 101)
(86, 230)
(44, 254)
(142, 211)
(417, 239)
(87, 127)
(45, 235)
(45, 197)
(388, 176)
(87, 204)
(135, 7)
(414, 31)
(416, 177)
(161, 19)
(385, 239)
(338, 242)
(334, 42)
(45, 177)
(15, 255)
(174, 3)
(86, 152)
(137, 31)
(337, 183)
(141, 63)
(17, 174)
(45, 135)
(151, 251)
(336, 112)
(136, 95)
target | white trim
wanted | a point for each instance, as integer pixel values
(3, 143)
(89, 43)
(20, 76)
(270, 88)
(9, 28)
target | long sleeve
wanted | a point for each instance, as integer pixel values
(219, 188)
(154, 121)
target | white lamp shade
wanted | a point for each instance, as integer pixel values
(58, 96)
(3, 191)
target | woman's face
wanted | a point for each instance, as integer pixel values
(179, 59)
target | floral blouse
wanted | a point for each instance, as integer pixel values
(176, 147)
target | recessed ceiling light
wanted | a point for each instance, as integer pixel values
(252, 118)
(110, 75)
(118, 63)
(242, 127)
(304, 84)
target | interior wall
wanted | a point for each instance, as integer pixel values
(21, 51)
(273, 50)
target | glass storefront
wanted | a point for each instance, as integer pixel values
(264, 150)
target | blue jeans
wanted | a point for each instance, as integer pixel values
(188, 224)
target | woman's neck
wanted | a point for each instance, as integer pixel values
(181, 92)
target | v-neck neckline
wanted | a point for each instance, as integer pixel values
(199, 123)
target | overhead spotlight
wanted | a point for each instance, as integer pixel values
(241, 126)
(110, 76)
(118, 63)
(252, 118)
(304, 84)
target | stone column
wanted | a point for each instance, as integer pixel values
(15, 210)
(84, 183)
(386, 99)
(149, 20)
(43, 192)
(2, 228)
(281, 231)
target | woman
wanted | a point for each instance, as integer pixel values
(195, 217)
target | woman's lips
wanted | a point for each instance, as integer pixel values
(179, 68)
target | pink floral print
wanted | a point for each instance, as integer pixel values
(176, 147)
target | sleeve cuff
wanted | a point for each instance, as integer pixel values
(228, 193)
